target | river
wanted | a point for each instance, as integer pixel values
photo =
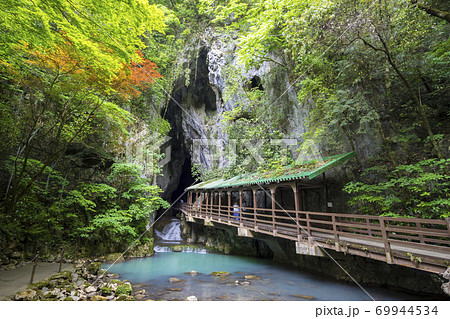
(270, 281)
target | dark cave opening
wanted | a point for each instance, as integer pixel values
(186, 180)
(255, 83)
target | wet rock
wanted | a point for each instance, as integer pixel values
(252, 277)
(191, 298)
(243, 283)
(192, 273)
(220, 273)
(139, 297)
(304, 297)
(175, 280)
(125, 298)
(177, 249)
(174, 289)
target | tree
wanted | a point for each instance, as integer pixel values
(68, 58)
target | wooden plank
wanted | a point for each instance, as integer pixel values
(435, 233)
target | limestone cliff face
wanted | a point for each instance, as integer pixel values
(198, 102)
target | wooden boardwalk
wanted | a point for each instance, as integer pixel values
(412, 242)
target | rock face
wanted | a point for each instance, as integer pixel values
(202, 93)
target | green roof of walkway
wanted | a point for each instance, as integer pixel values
(306, 170)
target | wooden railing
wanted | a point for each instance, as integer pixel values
(412, 242)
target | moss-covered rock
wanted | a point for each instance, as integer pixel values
(94, 267)
(114, 257)
(106, 291)
(63, 275)
(68, 299)
(124, 290)
(220, 273)
(124, 297)
(98, 298)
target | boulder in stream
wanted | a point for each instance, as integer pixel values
(220, 273)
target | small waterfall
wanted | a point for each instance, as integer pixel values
(170, 238)
(171, 232)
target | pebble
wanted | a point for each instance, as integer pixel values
(191, 298)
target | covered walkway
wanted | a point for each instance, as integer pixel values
(274, 203)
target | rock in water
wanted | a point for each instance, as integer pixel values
(220, 273)
(175, 280)
(252, 277)
(304, 297)
(191, 298)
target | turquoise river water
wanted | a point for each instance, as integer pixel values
(276, 282)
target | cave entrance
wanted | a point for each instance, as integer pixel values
(185, 181)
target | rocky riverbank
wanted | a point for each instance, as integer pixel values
(85, 282)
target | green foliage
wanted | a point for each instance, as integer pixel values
(414, 190)
(54, 212)
(353, 62)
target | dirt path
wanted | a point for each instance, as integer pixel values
(17, 279)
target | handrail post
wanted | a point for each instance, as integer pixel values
(255, 226)
(419, 228)
(447, 221)
(229, 207)
(34, 266)
(61, 260)
(387, 245)
(220, 203)
(335, 233)
(308, 224)
(272, 195)
(368, 228)
(241, 222)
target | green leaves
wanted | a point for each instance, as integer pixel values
(415, 190)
